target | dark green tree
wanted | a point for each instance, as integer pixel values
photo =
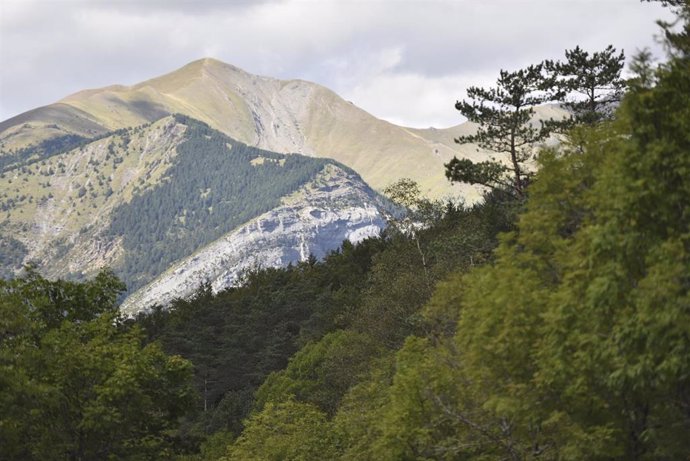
(644, 72)
(76, 383)
(503, 115)
(588, 85)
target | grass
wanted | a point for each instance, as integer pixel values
(75, 191)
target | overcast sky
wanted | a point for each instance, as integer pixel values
(406, 61)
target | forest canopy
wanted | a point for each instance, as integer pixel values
(551, 324)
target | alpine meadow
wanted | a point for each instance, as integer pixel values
(212, 265)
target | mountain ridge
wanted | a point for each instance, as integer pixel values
(140, 200)
(285, 116)
(311, 222)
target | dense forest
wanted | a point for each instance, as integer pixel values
(214, 185)
(551, 321)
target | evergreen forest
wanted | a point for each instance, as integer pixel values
(214, 185)
(550, 321)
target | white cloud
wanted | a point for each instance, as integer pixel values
(403, 60)
(415, 100)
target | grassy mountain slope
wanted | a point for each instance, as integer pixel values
(280, 115)
(60, 206)
(46, 122)
(139, 199)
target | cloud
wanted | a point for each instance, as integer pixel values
(415, 100)
(402, 60)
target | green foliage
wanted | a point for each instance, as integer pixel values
(320, 373)
(356, 425)
(595, 81)
(677, 32)
(76, 383)
(410, 421)
(644, 73)
(503, 115)
(487, 173)
(284, 431)
(50, 303)
(419, 209)
(403, 277)
(212, 449)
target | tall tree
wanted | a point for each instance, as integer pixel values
(677, 39)
(643, 69)
(574, 344)
(503, 114)
(419, 211)
(589, 85)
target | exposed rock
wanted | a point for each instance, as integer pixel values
(335, 206)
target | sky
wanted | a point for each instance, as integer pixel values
(405, 61)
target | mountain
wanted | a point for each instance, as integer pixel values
(333, 207)
(285, 116)
(186, 179)
(142, 199)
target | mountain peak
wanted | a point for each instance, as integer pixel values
(210, 63)
(199, 70)
(287, 116)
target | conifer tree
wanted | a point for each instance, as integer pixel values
(589, 86)
(503, 114)
(644, 73)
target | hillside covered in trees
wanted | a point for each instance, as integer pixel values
(549, 322)
(213, 186)
(141, 199)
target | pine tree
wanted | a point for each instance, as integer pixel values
(643, 70)
(589, 86)
(503, 114)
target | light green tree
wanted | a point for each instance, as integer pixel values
(321, 372)
(284, 431)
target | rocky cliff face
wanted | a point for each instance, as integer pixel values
(335, 206)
